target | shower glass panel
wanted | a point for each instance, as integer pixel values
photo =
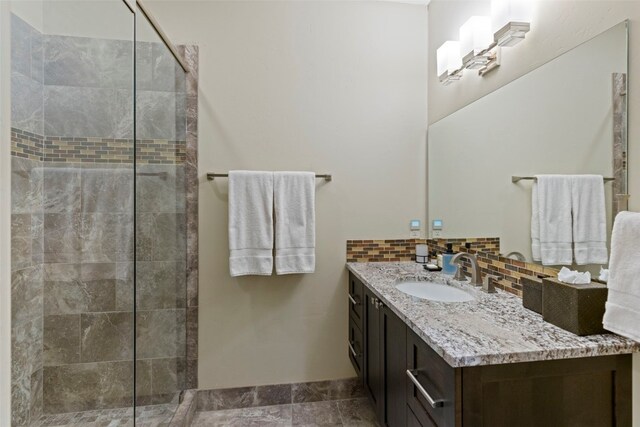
(98, 230)
(160, 220)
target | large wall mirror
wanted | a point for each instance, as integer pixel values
(566, 117)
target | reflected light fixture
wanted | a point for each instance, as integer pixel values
(449, 62)
(510, 21)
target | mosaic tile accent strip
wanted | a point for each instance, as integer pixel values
(112, 150)
(26, 144)
(509, 272)
(399, 250)
(95, 150)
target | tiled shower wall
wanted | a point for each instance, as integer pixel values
(26, 226)
(72, 231)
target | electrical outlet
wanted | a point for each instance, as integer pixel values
(437, 233)
(414, 235)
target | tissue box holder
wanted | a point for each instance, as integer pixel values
(532, 293)
(575, 308)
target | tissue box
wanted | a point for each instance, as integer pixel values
(532, 293)
(575, 308)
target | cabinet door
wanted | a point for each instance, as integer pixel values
(395, 366)
(373, 377)
(356, 347)
(356, 289)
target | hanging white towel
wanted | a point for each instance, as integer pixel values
(250, 223)
(295, 222)
(622, 314)
(589, 219)
(551, 212)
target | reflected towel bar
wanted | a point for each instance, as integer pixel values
(212, 176)
(515, 179)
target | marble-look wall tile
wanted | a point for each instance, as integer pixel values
(26, 360)
(36, 395)
(62, 237)
(26, 186)
(168, 376)
(106, 336)
(21, 34)
(164, 192)
(61, 190)
(161, 237)
(26, 103)
(26, 49)
(88, 62)
(107, 190)
(160, 285)
(155, 67)
(107, 237)
(21, 241)
(88, 112)
(26, 295)
(161, 333)
(61, 339)
(124, 286)
(79, 288)
(87, 386)
(155, 115)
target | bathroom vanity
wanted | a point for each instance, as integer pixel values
(485, 362)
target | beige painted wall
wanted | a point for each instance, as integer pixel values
(557, 26)
(335, 87)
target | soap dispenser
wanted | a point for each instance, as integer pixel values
(447, 266)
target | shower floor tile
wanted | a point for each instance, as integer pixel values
(146, 416)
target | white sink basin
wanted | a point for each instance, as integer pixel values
(434, 291)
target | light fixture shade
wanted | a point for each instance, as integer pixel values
(475, 35)
(448, 57)
(506, 11)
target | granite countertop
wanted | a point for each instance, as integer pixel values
(492, 329)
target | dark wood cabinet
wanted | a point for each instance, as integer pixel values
(409, 384)
(373, 352)
(394, 338)
(385, 337)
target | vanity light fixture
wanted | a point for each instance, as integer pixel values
(449, 62)
(481, 39)
(510, 21)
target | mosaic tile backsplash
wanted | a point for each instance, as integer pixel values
(509, 272)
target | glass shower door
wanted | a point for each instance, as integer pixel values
(160, 267)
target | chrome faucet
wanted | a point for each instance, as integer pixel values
(476, 274)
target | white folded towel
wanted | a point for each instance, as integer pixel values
(551, 211)
(589, 219)
(295, 222)
(622, 314)
(250, 223)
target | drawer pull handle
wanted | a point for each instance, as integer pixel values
(355, 354)
(433, 402)
(353, 300)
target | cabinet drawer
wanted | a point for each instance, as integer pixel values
(356, 297)
(356, 347)
(431, 384)
(412, 420)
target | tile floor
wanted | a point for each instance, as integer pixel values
(345, 412)
(146, 416)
